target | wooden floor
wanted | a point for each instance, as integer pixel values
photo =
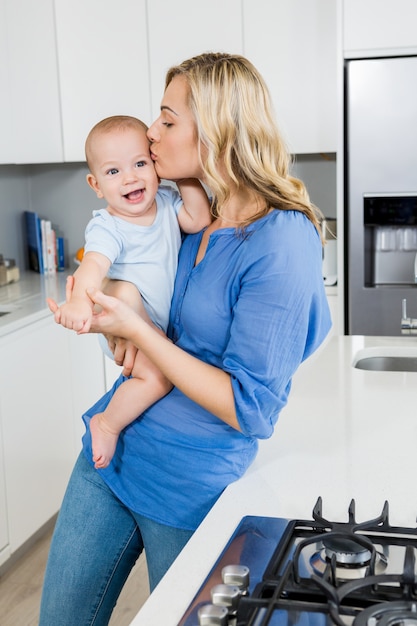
(20, 589)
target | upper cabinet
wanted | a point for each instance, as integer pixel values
(293, 43)
(66, 65)
(6, 133)
(372, 27)
(30, 123)
(183, 30)
(103, 62)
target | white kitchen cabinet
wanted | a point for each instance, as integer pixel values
(48, 377)
(64, 66)
(30, 110)
(375, 27)
(293, 43)
(4, 532)
(103, 65)
(185, 29)
(333, 300)
(6, 133)
(38, 428)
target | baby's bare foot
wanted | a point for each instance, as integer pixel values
(103, 442)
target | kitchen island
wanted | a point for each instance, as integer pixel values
(345, 433)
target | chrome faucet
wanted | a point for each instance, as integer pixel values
(408, 324)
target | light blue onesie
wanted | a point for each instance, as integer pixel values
(144, 255)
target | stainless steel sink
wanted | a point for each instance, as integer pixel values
(389, 359)
(388, 364)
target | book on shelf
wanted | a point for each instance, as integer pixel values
(45, 249)
(60, 256)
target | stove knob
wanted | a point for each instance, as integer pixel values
(237, 575)
(226, 595)
(211, 615)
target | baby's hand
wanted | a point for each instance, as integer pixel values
(75, 315)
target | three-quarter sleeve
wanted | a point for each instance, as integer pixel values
(280, 316)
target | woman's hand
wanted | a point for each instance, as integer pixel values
(105, 319)
(113, 317)
(123, 350)
(124, 353)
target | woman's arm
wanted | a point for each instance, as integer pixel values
(193, 377)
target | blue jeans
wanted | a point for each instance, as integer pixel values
(96, 542)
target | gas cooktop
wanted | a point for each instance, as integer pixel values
(284, 572)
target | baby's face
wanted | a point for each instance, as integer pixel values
(123, 172)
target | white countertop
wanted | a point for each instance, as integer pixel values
(346, 433)
(27, 298)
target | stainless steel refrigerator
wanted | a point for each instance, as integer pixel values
(380, 193)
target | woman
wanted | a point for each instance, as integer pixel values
(249, 306)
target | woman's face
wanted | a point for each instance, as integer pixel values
(173, 136)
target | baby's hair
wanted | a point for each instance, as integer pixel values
(115, 122)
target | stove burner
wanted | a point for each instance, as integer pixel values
(347, 551)
(401, 613)
(351, 559)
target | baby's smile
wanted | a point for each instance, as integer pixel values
(134, 196)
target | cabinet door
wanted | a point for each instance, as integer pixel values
(6, 134)
(103, 65)
(4, 533)
(372, 25)
(293, 44)
(38, 427)
(333, 301)
(34, 122)
(184, 29)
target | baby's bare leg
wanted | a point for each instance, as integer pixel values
(129, 401)
(128, 293)
(133, 396)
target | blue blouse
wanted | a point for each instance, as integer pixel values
(256, 307)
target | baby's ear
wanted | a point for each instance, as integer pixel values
(92, 182)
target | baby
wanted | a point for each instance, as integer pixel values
(136, 238)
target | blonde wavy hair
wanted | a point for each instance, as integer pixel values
(234, 117)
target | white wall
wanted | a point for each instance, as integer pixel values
(14, 198)
(318, 172)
